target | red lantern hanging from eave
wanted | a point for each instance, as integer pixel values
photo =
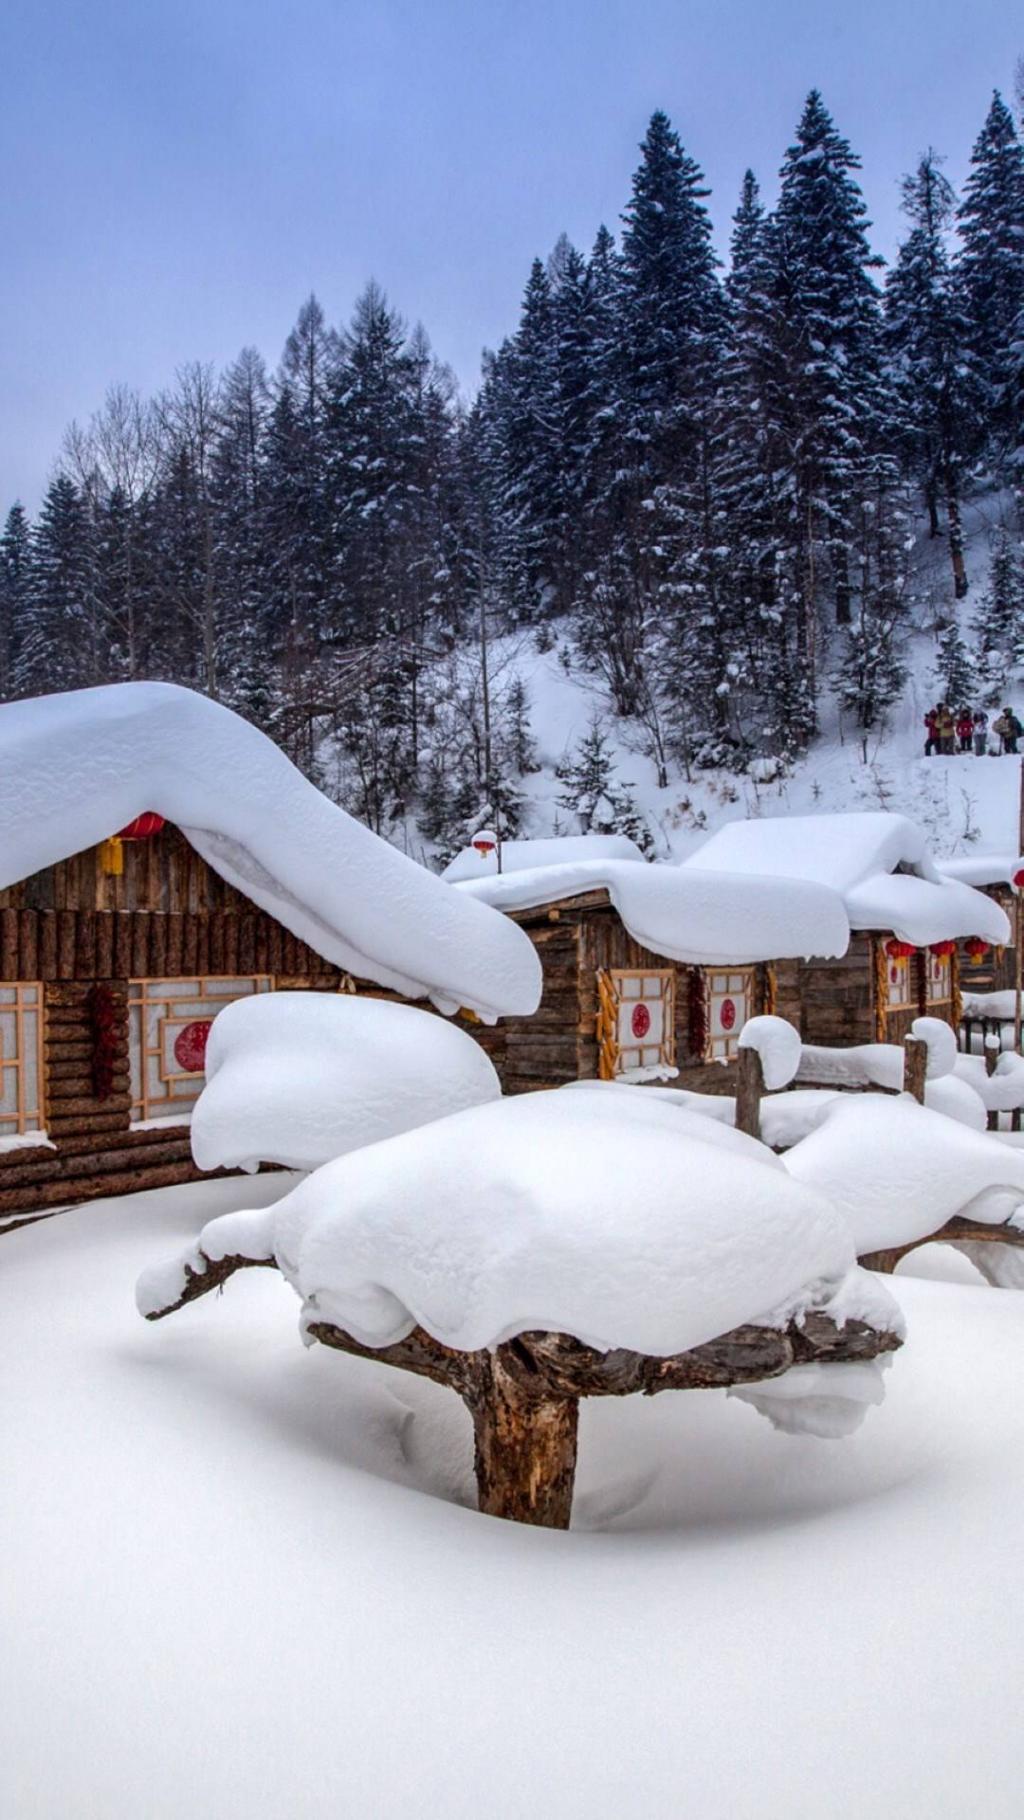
(142, 828)
(943, 948)
(1018, 878)
(975, 948)
(898, 951)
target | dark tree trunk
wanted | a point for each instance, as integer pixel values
(525, 1451)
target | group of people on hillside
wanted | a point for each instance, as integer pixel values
(967, 731)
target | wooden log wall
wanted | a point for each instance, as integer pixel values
(168, 916)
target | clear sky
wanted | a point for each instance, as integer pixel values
(179, 174)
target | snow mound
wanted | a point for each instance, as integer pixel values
(604, 1216)
(301, 1077)
(897, 1171)
(699, 918)
(79, 766)
(778, 1044)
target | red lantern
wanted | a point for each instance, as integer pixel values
(1018, 878)
(142, 828)
(485, 843)
(975, 949)
(898, 951)
(943, 948)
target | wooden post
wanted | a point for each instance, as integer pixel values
(1016, 967)
(749, 1089)
(915, 1067)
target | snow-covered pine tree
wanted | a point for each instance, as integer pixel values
(998, 626)
(61, 643)
(827, 320)
(928, 346)
(15, 551)
(990, 269)
(592, 791)
(956, 676)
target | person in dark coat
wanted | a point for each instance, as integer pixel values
(931, 741)
(1009, 730)
(965, 729)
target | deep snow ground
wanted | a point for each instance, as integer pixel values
(234, 1583)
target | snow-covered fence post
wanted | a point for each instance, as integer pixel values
(915, 1067)
(749, 1088)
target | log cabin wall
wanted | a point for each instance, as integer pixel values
(996, 971)
(577, 940)
(73, 927)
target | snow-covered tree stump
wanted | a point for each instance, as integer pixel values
(524, 1396)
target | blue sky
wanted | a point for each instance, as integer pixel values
(178, 177)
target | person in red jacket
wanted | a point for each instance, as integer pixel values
(931, 744)
(965, 729)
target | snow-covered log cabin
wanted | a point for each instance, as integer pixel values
(988, 966)
(159, 858)
(909, 923)
(650, 971)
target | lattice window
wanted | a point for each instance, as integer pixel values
(730, 1004)
(900, 989)
(637, 1022)
(168, 1026)
(21, 1059)
(938, 979)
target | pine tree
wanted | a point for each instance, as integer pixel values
(828, 324)
(999, 624)
(956, 678)
(991, 271)
(928, 343)
(592, 792)
(62, 643)
(15, 556)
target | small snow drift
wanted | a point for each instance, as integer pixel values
(897, 1172)
(558, 1245)
(301, 1077)
(79, 766)
(481, 861)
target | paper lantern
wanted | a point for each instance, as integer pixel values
(485, 842)
(142, 828)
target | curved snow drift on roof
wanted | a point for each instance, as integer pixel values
(857, 855)
(76, 767)
(700, 918)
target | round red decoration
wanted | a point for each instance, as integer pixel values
(640, 1022)
(190, 1046)
(1018, 877)
(143, 827)
(727, 1015)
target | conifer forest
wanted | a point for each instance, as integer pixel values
(700, 482)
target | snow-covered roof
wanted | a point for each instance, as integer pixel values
(981, 868)
(301, 1077)
(857, 856)
(527, 855)
(621, 1221)
(701, 918)
(77, 767)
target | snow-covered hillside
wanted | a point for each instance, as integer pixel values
(964, 804)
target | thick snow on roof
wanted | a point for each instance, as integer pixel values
(526, 855)
(301, 1077)
(77, 767)
(705, 918)
(898, 1171)
(600, 1215)
(857, 855)
(981, 868)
